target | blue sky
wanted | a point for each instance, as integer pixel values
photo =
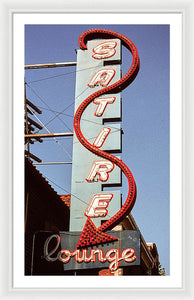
(145, 119)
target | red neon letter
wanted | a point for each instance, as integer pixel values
(102, 77)
(128, 255)
(102, 168)
(104, 50)
(97, 205)
(102, 103)
(99, 141)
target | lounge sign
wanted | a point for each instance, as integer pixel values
(58, 250)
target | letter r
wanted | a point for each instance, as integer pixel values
(101, 168)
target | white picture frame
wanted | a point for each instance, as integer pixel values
(8, 8)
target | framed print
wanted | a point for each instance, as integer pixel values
(94, 159)
(100, 189)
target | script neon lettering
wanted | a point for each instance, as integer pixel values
(48, 254)
(64, 256)
(129, 255)
(113, 256)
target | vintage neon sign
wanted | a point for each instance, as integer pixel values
(102, 168)
(93, 245)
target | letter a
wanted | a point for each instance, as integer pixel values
(102, 77)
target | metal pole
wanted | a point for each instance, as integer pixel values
(33, 156)
(48, 135)
(26, 117)
(53, 163)
(50, 65)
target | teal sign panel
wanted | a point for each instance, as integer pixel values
(99, 128)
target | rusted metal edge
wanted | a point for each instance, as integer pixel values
(50, 65)
(48, 135)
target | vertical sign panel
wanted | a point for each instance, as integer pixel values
(97, 67)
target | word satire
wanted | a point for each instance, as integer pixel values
(113, 256)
